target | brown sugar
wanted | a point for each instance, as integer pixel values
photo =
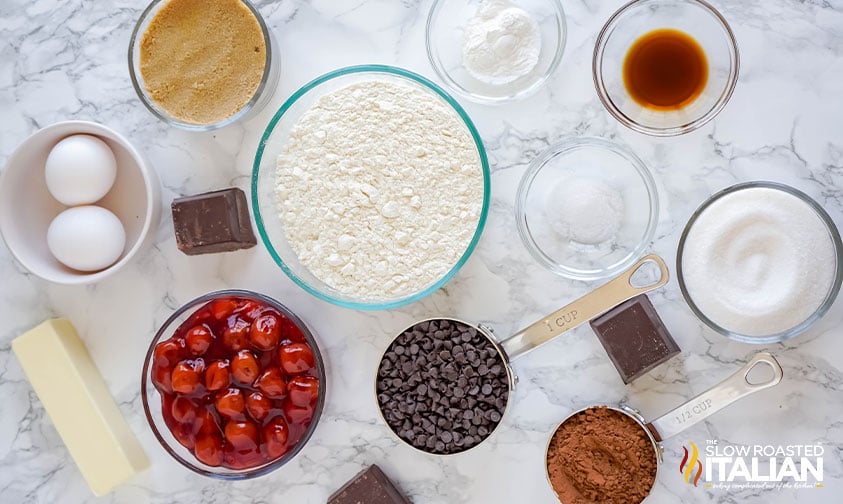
(601, 455)
(202, 60)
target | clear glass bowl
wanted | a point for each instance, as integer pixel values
(151, 398)
(264, 92)
(548, 181)
(831, 295)
(639, 17)
(444, 40)
(264, 202)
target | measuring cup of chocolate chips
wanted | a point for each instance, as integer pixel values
(443, 384)
(612, 455)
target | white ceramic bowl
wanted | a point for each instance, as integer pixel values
(27, 207)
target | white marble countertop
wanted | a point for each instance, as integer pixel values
(67, 60)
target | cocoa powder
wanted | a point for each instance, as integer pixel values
(601, 455)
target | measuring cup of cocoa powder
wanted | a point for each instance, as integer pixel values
(612, 455)
(443, 384)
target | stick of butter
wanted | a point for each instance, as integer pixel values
(75, 396)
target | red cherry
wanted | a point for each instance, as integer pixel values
(296, 358)
(258, 406)
(243, 435)
(290, 331)
(241, 459)
(236, 334)
(217, 376)
(184, 435)
(162, 377)
(275, 434)
(208, 449)
(222, 308)
(304, 390)
(206, 422)
(199, 339)
(297, 414)
(266, 332)
(230, 403)
(167, 353)
(272, 383)
(184, 410)
(245, 367)
(187, 376)
(249, 309)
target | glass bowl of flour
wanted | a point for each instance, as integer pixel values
(370, 187)
(759, 262)
(495, 50)
(587, 208)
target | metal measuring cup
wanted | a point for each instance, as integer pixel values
(691, 412)
(572, 315)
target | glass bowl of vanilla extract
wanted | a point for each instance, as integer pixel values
(665, 67)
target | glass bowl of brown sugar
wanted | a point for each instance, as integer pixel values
(201, 66)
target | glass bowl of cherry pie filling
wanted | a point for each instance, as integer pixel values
(233, 385)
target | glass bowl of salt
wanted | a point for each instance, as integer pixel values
(587, 208)
(495, 51)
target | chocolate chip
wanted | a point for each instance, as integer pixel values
(429, 390)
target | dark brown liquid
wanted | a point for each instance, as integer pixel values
(665, 70)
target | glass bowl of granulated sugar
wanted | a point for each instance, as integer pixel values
(495, 50)
(370, 187)
(760, 262)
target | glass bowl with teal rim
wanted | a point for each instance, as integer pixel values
(266, 203)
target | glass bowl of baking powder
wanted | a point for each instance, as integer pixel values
(370, 187)
(759, 262)
(495, 51)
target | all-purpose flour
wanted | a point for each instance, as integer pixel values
(380, 189)
(758, 261)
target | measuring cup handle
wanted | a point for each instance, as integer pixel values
(716, 398)
(598, 301)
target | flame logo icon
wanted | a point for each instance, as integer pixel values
(686, 467)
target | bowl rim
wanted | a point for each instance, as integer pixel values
(563, 146)
(562, 26)
(617, 113)
(152, 190)
(484, 165)
(161, 114)
(833, 290)
(146, 381)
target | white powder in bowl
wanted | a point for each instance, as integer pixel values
(380, 189)
(501, 43)
(758, 261)
(585, 210)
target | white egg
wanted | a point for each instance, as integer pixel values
(86, 238)
(80, 170)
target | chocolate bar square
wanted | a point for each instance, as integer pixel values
(369, 487)
(635, 337)
(216, 221)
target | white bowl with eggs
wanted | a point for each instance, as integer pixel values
(77, 202)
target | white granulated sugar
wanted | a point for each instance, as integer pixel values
(380, 189)
(501, 43)
(758, 261)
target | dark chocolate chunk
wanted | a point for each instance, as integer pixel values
(634, 337)
(369, 487)
(216, 221)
